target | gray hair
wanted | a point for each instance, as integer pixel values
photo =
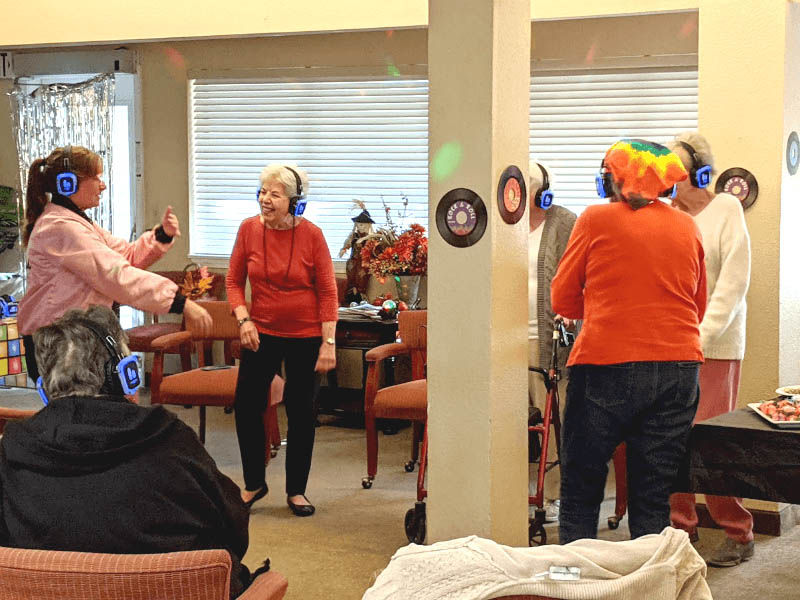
(701, 147)
(71, 357)
(280, 173)
(535, 177)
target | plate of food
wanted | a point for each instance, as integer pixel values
(783, 413)
(788, 390)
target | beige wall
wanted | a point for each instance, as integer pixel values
(45, 22)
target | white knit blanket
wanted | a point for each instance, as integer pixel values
(652, 567)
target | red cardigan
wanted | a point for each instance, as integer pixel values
(292, 305)
(638, 280)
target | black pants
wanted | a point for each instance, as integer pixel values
(30, 357)
(256, 371)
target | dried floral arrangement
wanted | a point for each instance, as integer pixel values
(389, 251)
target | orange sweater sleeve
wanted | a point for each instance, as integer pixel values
(236, 279)
(327, 294)
(566, 289)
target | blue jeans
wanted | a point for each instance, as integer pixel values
(648, 405)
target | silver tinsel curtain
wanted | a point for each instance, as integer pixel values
(58, 114)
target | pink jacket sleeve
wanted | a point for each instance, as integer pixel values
(109, 272)
(327, 293)
(142, 253)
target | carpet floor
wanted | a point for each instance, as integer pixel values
(338, 552)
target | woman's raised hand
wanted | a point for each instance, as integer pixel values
(170, 223)
(197, 318)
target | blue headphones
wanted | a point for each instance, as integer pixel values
(66, 181)
(604, 182)
(699, 173)
(297, 204)
(121, 372)
(8, 306)
(544, 197)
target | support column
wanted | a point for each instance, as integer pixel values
(479, 70)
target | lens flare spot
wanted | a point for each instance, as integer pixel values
(175, 58)
(446, 160)
(390, 33)
(689, 27)
(591, 53)
(392, 70)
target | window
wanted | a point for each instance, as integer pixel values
(365, 139)
(576, 117)
(368, 139)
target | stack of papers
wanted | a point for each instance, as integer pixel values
(362, 312)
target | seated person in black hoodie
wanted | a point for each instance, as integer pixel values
(93, 472)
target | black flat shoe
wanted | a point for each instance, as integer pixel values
(301, 510)
(259, 495)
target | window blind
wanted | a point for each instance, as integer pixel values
(368, 139)
(575, 118)
(364, 139)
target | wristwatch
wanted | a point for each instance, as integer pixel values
(331, 341)
(241, 322)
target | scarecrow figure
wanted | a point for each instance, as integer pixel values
(357, 276)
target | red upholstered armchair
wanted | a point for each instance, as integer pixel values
(197, 575)
(203, 387)
(12, 414)
(140, 339)
(403, 401)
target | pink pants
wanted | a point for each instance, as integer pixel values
(719, 388)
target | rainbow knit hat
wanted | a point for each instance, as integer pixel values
(642, 168)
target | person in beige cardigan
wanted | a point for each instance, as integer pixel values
(726, 243)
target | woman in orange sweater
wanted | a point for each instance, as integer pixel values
(292, 321)
(633, 271)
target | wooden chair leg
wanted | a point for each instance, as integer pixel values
(186, 357)
(372, 450)
(273, 431)
(202, 429)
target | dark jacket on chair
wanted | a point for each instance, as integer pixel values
(105, 475)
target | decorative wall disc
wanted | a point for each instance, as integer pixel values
(461, 217)
(511, 194)
(740, 183)
(792, 153)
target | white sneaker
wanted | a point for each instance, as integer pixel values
(551, 510)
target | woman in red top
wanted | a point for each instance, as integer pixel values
(633, 271)
(292, 320)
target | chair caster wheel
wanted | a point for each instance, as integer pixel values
(409, 466)
(227, 410)
(366, 483)
(273, 452)
(415, 524)
(537, 536)
(613, 522)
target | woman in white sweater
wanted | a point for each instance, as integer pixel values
(722, 332)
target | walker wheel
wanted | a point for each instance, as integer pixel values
(409, 466)
(415, 526)
(366, 483)
(613, 522)
(537, 536)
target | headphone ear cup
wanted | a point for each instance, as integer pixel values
(111, 384)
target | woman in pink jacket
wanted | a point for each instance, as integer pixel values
(75, 264)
